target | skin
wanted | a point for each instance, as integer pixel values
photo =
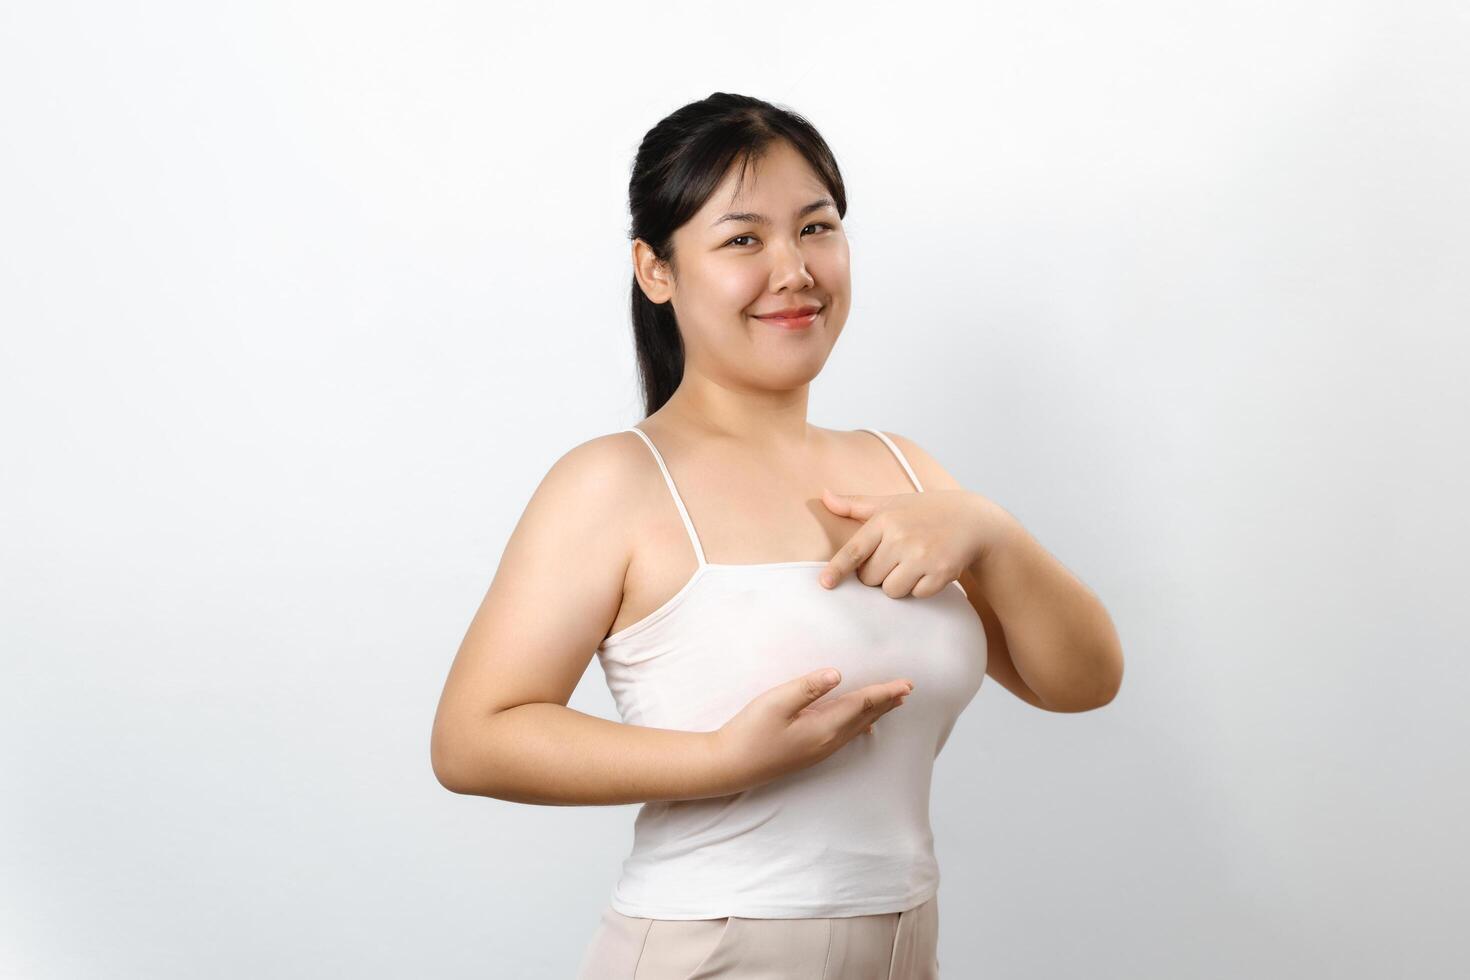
(601, 545)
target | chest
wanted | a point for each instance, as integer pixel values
(737, 631)
(740, 520)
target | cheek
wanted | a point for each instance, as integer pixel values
(744, 287)
(730, 287)
(830, 265)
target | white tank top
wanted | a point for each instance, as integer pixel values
(847, 836)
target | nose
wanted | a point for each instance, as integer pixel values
(790, 272)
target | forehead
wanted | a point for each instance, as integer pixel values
(774, 185)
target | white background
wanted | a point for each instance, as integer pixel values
(300, 301)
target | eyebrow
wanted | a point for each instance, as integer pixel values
(761, 219)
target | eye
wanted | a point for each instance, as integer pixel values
(815, 224)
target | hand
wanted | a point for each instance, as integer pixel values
(781, 730)
(913, 542)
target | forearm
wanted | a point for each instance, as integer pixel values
(557, 756)
(1060, 636)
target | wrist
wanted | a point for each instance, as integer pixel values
(720, 777)
(997, 531)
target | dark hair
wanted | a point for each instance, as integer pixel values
(679, 164)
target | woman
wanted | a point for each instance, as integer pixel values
(785, 825)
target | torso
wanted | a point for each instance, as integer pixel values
(745, 509)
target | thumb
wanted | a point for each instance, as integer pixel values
(805, 689)
(859, 506)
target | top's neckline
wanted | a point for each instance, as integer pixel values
(633, 629)
(677, 599)
(764, 564)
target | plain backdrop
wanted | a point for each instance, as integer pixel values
(300, 301)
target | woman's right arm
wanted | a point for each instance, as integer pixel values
(502, 728)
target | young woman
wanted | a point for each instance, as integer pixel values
(755, 627)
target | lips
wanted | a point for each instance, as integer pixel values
(795, 313)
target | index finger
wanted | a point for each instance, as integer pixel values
(852, 554)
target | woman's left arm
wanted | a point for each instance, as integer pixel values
(1056, 637)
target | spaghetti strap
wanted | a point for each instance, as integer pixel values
(899, 453)
(674, 492)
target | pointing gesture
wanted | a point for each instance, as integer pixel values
(912, 542)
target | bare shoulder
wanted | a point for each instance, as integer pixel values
(557, 589)
(577, 527)
(931, 474)
(602, 474)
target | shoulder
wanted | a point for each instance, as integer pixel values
(931, 474)
(611, 461)
(592, 487)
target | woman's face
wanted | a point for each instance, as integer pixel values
(778, 251)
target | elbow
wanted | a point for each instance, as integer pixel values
(444, 760)
(1089, 697)
(461, 752)
(445, 774)
(1077, 706)
(449, 782)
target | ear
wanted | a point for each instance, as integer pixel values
(653, 276)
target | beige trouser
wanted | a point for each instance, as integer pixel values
(889, 946)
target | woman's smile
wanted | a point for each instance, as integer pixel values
(790, 322)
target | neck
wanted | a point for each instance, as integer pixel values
(751, 416)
